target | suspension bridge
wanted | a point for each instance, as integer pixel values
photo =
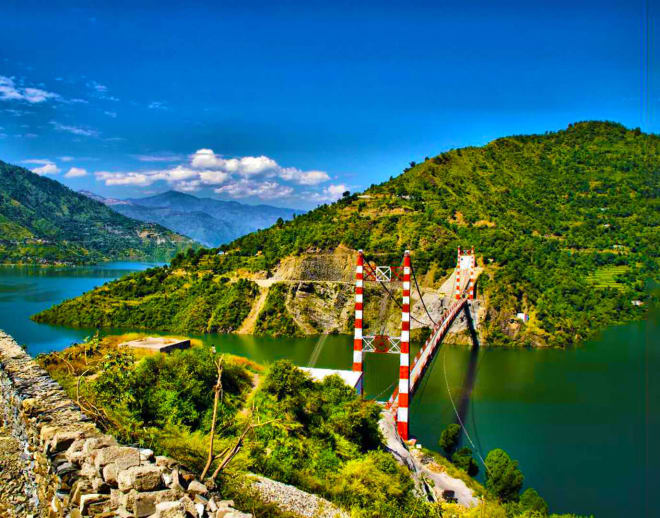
(410, 373)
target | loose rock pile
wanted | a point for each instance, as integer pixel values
(14, 499)
(292, 499)
(73, 470)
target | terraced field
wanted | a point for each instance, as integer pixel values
(605, 277)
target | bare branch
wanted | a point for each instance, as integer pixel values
(217, 389)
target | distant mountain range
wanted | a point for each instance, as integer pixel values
(45, 222)
(208, 221)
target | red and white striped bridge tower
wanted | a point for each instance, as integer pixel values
(410, 373)
(465, 273)
(382, 343)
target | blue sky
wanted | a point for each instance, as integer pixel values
(290, 103)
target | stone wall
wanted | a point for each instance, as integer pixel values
(74, 470)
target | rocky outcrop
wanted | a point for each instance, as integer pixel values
(70, 469)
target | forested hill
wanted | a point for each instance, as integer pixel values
(43, 221)
(566, 224)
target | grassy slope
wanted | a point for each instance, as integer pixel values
(41, 220)
(546, 212)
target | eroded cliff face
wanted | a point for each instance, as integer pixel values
(318, 288)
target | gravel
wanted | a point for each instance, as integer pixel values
(294, 500)
(14, 501)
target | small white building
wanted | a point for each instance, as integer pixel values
(524, 317)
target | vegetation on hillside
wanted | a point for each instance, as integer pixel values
(321, 437)
(274, 319)
(160, 300)
(44, 222)
(551, 216)
(318, 436)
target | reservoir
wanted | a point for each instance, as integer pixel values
(582, 422)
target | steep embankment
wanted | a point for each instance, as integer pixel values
(565, 225)
(42, 221)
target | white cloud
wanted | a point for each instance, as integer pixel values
(187, 186)
(15, 113)
(76, 130)
(175, 176)
(41, 161)
(266, 190)
(249, 165)
(213, 177)
(303, 177)
(159, 157)
(256, 165)
(238, 177)
(101, 91)
(10, 91)
(37, 95)
(111, 114)
(75, 172)
(97, 86)
(157, 105)
(206, 158)
(45, 166)
(330, 193)
(120, 178)
(66, 158)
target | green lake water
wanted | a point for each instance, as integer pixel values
(583, 423)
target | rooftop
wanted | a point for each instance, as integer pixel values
(157, 343)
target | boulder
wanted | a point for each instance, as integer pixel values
(123, 456)
(144, 504)
(91, 500)
(146, 454)
(165, 462)
(170, 510)
(110, 474)
(65, 438)
(197, 488)
(141, 478)
(75, 452)
(94, 444)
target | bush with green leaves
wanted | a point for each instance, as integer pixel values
(530, 500)
(503, 478)
(169, 389)
(463, 459)
(449, 438)
(325, 438)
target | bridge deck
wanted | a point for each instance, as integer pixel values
(423, 358)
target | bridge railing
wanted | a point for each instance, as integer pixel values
(425, 354)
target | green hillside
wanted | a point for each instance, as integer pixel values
(547, 215)
(42, 221)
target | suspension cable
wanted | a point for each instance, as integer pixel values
(420, 294)
(458, 417)
(375, 398)
(382, 285)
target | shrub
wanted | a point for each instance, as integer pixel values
(503, 478)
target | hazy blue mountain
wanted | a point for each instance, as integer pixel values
(208, 221)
